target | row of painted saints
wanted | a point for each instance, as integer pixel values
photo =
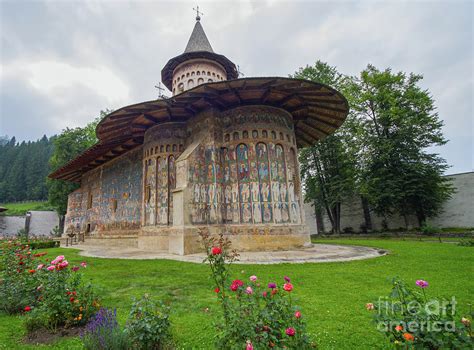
(255, 186)
(159, 192)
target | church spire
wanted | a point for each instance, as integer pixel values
(198, 40)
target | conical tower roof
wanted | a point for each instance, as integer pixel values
(198, 47)
(198, 40)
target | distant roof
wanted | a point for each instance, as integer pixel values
(198, 40)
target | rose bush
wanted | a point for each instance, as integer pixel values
(18, 277)
(409, 319)
(255, 315)
(64, 301)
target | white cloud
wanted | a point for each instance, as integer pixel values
(50, 76)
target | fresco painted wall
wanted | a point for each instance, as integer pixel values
(110, 197)
(253, 177)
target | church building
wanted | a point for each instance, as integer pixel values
(220, 154)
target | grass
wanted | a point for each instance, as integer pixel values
(20, 208)
(332, 296)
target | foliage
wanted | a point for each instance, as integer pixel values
(409, 319)
(429, 230)
(148, 325)
(328, 167)
(19, 283)
(466, 243)
(254, 315)
(398, 123)
(64, 300)
(23, 169)
(103, 332)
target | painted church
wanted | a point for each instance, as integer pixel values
(221, 154)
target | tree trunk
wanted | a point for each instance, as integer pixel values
(367, 217)
(420, 215)
(319, 220)
(62, 219)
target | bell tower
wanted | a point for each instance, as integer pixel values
(197, 65)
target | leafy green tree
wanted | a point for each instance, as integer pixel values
(399, 124)
(328, 167)
(67, 146)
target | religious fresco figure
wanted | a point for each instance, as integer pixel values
(244, 193)
(275, 191)
(267, 212)
(283, 192)
(257, 213)
(235, 213)
(284, 213)
(291, 192)
(265, 191)
(203, 194)
(196, 193)
(295, 213)
(255, 192)
(246, 213)
(228, 194)
(235, 193)
(277, 212)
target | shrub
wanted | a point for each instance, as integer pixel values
(429, 230)
(43, 244)
(103, 332)
(410, 320)
(64, 300)
(255, 315)
(466, 243)
(148, 325)
(19, 278)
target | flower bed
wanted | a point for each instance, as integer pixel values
(255, 315)
(49, 294)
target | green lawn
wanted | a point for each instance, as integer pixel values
(18, 209)
(332, 296)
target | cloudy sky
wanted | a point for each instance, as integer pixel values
(64, 61)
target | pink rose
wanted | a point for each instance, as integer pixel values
(288, 287)
(83, 264)
(249, 290)
(290, 331)
(63, 264)
(249, 345)
(298, 314)
(40, 266)
(253, 278)
(75, 268)
(50, 268)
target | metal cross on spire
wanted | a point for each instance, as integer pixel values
(239, 73)
(160, 91)
(198, 13)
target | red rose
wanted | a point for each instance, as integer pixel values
(71, 299)
(217, 290)
(236, 284)
(298, 314)
(216, 250)
(31, 271)
(274, 291)
(27, 308)
(290, 331)
(288, 287)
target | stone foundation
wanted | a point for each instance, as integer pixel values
(186, 240)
